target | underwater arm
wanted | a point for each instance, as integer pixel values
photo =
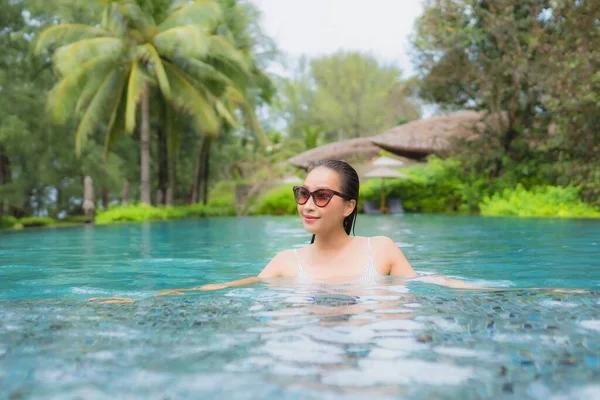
(272, 270)
(214, 286)
(450, 282)
(460, 284)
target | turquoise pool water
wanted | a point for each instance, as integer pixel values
(399, 341)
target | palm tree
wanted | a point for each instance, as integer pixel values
(106, 71)
(246, 92)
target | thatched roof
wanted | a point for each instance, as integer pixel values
(345, 150)
(413, 140)
(384, 172)
(417, 139)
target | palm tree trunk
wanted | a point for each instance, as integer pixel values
(105, 197)
(125, 194)
(145, 148)
(198, 173)
(206, 163)
(163, 165)
(3, 176)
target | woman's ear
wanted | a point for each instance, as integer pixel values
(350, 206)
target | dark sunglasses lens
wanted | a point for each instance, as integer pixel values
(301, 195)
(322, 197)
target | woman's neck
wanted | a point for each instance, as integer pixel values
(332, 242)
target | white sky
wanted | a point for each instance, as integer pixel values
(317, 27)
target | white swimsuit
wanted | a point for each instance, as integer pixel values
(369, 276)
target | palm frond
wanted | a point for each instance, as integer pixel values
(201, 71)
(225, 51)
(64, 96)
(185, 97)
(184, 41)
(254, 125)
(148, 54)
(225, 113)
(138, 19)
(69, 57)
(66, 33)
(245, 105)
(113, 21)
(92, 82)
(116, 121)
(262, 81)
(100, 106)
(201, 12)
(135, 89)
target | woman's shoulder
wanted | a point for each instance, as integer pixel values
(379, 241)
(285, 257)
(282, 264)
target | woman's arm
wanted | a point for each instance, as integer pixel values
(274, 269)
(213, 286)
(399, 265)
(450, 282)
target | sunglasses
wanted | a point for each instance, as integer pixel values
(321, 197)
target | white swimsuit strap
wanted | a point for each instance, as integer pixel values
(371, 268)
(300, 271)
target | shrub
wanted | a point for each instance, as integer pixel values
(73, 219)
(32, 222)
(542, 201)
(141, 212)
(432, 188)
(222, 195)
(277, 201)
(7, 222)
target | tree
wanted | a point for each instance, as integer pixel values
(530, 63)
(245, 93)
(106, 71)
(41, 175)
(347, 95)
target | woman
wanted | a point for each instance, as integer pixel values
(327, 203)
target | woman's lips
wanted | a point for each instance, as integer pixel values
(309, 219)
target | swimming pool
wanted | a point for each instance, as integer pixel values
(398, 341)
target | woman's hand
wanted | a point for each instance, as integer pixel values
(213, 286)
(111, 300)
(173, 292)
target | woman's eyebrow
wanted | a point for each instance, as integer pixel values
(309, 187)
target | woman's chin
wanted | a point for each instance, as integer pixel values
(310, 228)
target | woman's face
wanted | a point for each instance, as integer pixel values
(317, 220)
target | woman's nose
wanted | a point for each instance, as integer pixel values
(310, 204)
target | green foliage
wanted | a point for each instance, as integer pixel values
(33, 222)
(493, 56)
(431, 188)
(542, 201)
(73, 219)
(142, 212)
(222, 195)
(7, 222)
(277, 201)
(344, 95)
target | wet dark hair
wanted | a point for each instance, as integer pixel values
(350, 186)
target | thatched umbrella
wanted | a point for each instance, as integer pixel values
(344, 150)
(290, 180)
(417, 139)
(384, 161)
(383, 173)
